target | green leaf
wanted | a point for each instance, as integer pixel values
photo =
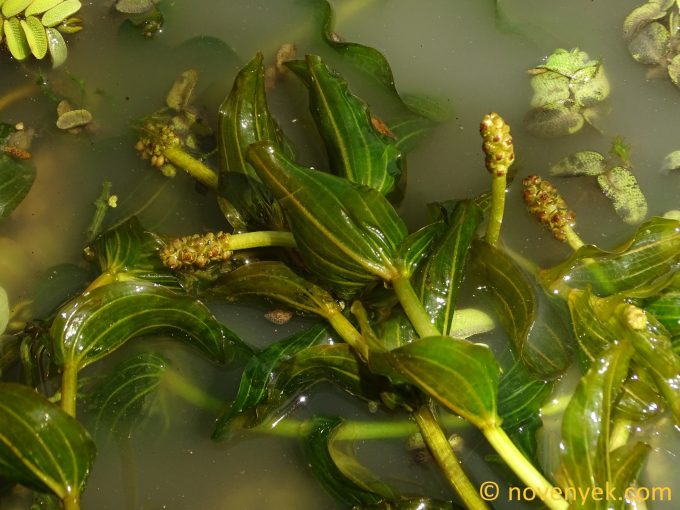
(396, 330)
(257, 375)
(356, 150)
(666, 309)
(348, 235)
(626, 462)
(586, 424)
(35, 36)
(316, 451)
(438, 279)
(129, 251)
(4, 310)
(126, 397)
(9, 352)
(650, 44)
(553, 120)
(520, 398)
(461, 375)
(409, 131)
(93, 325)
(416, 247)
(40, 445)
(244, 118)
(275, 281)
(56, 46)
(57, 285)
(535, 321)
(640, 17)
(60, 12)
(16, 179)
(580, 163)
(650, 254)
(620, 186)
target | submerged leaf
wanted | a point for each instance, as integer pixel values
(16, 179)
(91, 326)
(672, 160)
(356, 150)
(347, 234)
(40, 445)
(620, 186)
(553, 121)
(535, 321)
(674, 70)
(650, 45)
(179, 96)
(135, 6)
(666, 309)
(650, 254)
(640, 17)
(580, 163)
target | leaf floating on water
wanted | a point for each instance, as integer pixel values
(13, 7)
(4, 310)
(620, 186)
(135, 6)
(57, 47)
(641, 16)
(674, 70)
(181, 91)
(16, 39)
(651, 44)
(40, 6)
(60, 12)
(553, 122)
(41, 446)
(580, 163)
(671, 161)
(35, 36)
(73, 119)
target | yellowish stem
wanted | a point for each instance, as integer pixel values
(69, 389)
(493, 227)
(192, 166)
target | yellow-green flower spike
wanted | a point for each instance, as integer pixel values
(497, 145)
(543, 201)
(196, 250)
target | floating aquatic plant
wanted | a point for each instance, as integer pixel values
(34, 27)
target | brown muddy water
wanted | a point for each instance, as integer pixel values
(447, 48)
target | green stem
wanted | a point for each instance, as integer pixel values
(493, 227)
(573, 239)
(69, 388)
(356, 430)
(101, 206)
(191, 393)
(192, 166)
(446, 459)
(524, 469)
(71, 501)
(261, 239)
(348, 332)
(413, 307)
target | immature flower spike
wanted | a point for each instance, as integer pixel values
(196, 250)
(544, 202)
(497, 145)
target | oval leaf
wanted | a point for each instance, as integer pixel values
(650, 45)
(40, 445)
(40, 6)
(554, 121)
(35, 36)
(348, 235)
(15, 38)
(580, 163)
(57, 47)
(60, 12)
(16, 179)
(73, 119)
(620, 186)
(13, 7)
(98, 322)
(641, 16)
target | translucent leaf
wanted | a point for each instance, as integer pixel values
(553, 121)
(36, 36)
(641, 16)
(620, 186)
(57, 47)
(651, 44)
(15, 38)
(40, 445)
(579, 163)
(179, 96)
(671, 162)
(60, 12)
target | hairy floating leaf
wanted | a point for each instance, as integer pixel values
(620, 186)
(126, 397)
(460, 375)
(650, 254)
(60, 12)
(98, 322)
(244, 118)
(580, 163)
(356, 150)
(40, 6)
(347, 234)
(650, 44)
(275, 281)
(535, 321)
(40, 445)
(439, 277)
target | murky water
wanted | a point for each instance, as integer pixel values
(452, 49)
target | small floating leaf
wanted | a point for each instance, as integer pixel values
(672, 160)
(13, 7)
(640, 16)
(580, 163)
(40, 6)
(554, 121)
(60, 12)
(651, 44)
(36, 36)
(134, 6)
(674, 70)
(57, 47)
(620, 186)
(73, 119)
(16, 39)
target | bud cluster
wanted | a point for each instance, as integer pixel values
(544, 202)
(196, 250)
(497, 144)
(156, 138)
